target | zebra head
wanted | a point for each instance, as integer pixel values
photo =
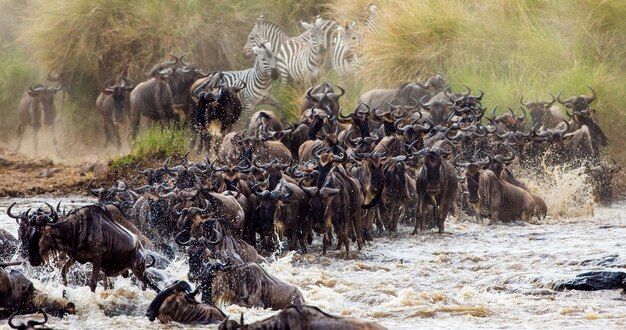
(265, 60)
(316, 34)
(253, 40)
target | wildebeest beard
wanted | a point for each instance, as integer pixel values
(433, 167)
(395, 180)
(33, 248)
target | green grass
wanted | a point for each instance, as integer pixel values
(155, 144)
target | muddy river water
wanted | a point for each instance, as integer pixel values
(474, 276)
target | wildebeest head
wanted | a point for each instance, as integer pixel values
(178, 286)
(537, 108)
(472, 176)
(431, 172)
(319, 199)
(181, 79)
(154, 176)
(578, 103)
(267, 203)
(22, 231)
(162, 70)
(189, 216)
(499, 161)
(46, 97)
(37, 224)
(118, 92)
(206, 278)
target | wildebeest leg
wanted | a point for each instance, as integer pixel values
(358, 228)
(35, 131)
(369, 225)
(108, 123)
(20, 134)
(479, 218)
(139, 273)
(97, 263)
(54, 139)
(66, 268)
(301, 240)
(116, 137)
(105, 282)
(133, 128)
(419, 217)
(443, 213)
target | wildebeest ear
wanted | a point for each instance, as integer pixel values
(107, 91)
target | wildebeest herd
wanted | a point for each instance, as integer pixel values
(408, 155)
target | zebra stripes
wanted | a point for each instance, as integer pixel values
(258, 79)
(344, 58)
(302, 60)
(295, 55)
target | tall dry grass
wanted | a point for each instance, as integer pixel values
(508, 48)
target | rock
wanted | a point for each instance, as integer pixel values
(592, 281)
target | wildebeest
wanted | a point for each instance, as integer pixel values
(247, 285)
(220, 104)
(322, 97)
(302, 317)
(488, 194)
(336, 201)
(180, 81)
(177, 303)
(113, 104)
(436, 186)
(17, 293)
(544, 113)
(152, 99)
(405, 94)
(218, 241)
(37, 105)
(88, 234)
(31, 324)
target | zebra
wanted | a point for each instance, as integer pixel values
(302, 60)
(278, 37)
(371, 23)
(344, 58)
(257, 80)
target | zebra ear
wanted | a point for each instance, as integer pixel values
(306, 25)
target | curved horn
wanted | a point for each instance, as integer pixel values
(109, 85)
(169, 63)
(55, 216)
(177, 239)
(566, 101)
(502, 159)
(19, 326)
(10, 214)
(218, 238)
(311, 97)
(521, 101)
(343, 91)
(128, 84)
(591, 98)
